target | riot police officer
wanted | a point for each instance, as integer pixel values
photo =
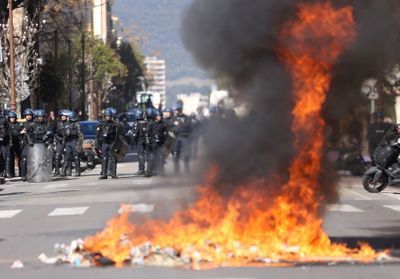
(150, 119)
(28, 114)
(126, 128)
(40, 136)
(14, 148)
(141, 138)
(39, 131)
(4, 142)
(106, 134)
(59, 136)
(159, 134)
(168, 118)
(73, 136)
(182, 130)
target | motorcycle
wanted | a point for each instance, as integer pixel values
(378, 177)
(90, 155)
(89, 158)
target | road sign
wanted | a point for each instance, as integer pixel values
(369, 89)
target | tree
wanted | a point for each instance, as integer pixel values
(107, 71)
(134, 63)
(4, 8)
(26, 57)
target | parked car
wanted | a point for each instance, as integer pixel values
(89, 129)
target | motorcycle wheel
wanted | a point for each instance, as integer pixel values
(378, 187)
(91, 160)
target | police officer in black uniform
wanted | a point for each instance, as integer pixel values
(28, 114)
(106, 133)
(40, 131)
(73, 134)
(158, 130)
(60, 139)
(141, 138)
(14, 149)
(168, 118)
(4, 142)
(182, 130)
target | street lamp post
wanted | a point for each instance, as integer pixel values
(12, 63)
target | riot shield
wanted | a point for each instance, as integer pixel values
(39, 164)
(119, 148)
(169, 144)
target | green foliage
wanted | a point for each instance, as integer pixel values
(106, 63)
(134, 63)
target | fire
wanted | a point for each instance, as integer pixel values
(256, 222)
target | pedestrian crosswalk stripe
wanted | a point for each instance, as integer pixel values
(68, 211)
(343, 208)
(4, 214)
(393, 207)
(140, 208)
(55, 186)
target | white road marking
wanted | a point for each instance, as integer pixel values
(55, 186)
(69, 211)
(393, 207)
(343, 208)
(140, 208)
(4, 214)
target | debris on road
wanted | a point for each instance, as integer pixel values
(148, 254)
(17, 264)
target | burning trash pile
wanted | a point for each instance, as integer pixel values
(199, 239)
(262, 222)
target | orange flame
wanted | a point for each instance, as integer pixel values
(257, 223)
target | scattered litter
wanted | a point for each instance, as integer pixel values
(139, 208)
(148, 254)
(17, 264)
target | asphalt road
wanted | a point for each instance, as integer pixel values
(34, 217)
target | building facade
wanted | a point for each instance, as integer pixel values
(156, 75)
(193, 101)
(102, 20)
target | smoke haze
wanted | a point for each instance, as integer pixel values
(236, 39)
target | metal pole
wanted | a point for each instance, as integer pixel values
(12, 61)
(83, 76)
(92, 115)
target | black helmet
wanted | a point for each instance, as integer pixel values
(150, 112)
(28, 111)
(139, 114)
(40, 113)
(63, 112)
(72, 116)
(109, 112)
(12, 114)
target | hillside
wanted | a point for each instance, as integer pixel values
(160, 21)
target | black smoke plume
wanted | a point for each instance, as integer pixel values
(237, 40)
